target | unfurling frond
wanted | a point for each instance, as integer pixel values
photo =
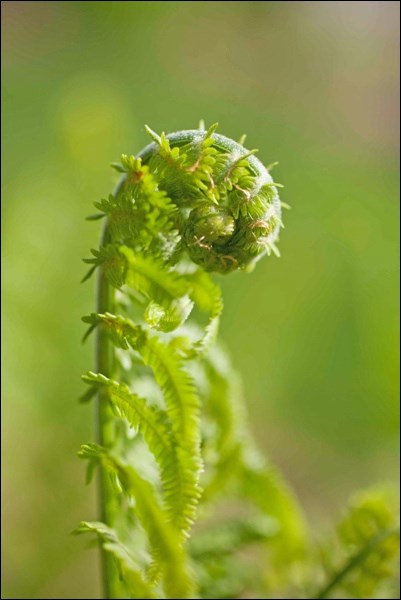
(189, 203)
(168, 401)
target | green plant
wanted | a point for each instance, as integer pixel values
(172, 441)
(359, 560)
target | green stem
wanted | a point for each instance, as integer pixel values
(104, 426)
(352, 563)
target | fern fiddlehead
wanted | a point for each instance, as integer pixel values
(170, 439)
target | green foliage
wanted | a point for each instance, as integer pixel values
(168, 555)
(362, 556)
(239, 463)
(178, 476)
(171, 434)
(181, 453)
(132, 578)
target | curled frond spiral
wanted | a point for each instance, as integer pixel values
(211, 198)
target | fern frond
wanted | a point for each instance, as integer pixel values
(222, 473)
(169, 556)
(179, 391)
(206, 295)
(168, 319)
(225, 408)
(181, 492)
(130, 575)
(264, 486)
(160, 286)
(109, 259)
(258, 482)
(223, 538)
(151, 421)
(190, 203)
(224, 401)
(165, 291)
(366, 547)
(177, 580)
(182, 406)
(183, 464)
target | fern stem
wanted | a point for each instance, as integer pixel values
(353, 563)
(104, 426)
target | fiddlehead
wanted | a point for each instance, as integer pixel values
(232, 208)
(189, 203)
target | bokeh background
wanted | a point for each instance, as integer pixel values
(315, 333)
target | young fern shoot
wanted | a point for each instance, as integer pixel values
(171, 436)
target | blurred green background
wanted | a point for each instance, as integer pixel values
(315, 86)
